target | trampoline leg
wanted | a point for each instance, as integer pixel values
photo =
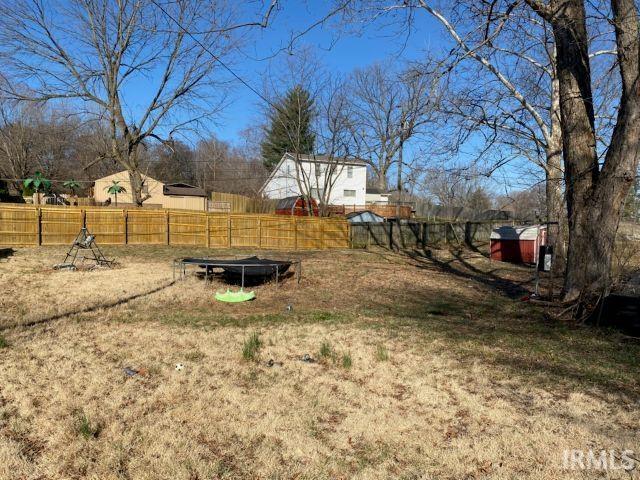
(242, 284)
(277, 274)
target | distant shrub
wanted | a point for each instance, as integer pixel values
(3, 342)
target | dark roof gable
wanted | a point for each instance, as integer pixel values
(183, 189)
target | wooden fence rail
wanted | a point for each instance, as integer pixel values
(30, 226)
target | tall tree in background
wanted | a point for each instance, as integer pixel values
(290, 127)
(390, 107)
(90, 51)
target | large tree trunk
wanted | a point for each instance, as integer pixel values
(585, 267)
(555, 202)
(555, 206)
(135, 178)
(594, 196)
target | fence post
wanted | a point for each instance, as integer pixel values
(229, 230)
(83, 218)
(207, 232)
(125, 219)
(38, 226)
(167, 224)
(295, 233)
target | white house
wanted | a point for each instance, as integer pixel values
(377, 196)
(347, 177)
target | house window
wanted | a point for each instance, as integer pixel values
(317, 193)
(319, 170)
(145, 189)
(288, 169)
(349, 172)
(349, 193)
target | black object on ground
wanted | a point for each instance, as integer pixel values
(621, 312)
(307, 358)
(85, 243)
(244, 271)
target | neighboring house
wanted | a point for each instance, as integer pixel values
(174, 195)
(377, 195)
(349, 178)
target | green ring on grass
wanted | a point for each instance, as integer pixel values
(235, 297)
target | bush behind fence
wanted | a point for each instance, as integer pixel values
(30, 226)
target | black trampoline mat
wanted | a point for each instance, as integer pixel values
(253, 266)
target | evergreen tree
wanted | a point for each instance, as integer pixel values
(289, 127)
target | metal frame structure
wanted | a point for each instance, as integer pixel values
(182, 264)
(86, 242)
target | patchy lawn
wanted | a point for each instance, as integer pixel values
(423, 368)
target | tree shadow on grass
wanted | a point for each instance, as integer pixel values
(6, 253)
(460, 266)
(518, 337)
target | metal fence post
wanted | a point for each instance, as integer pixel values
(38, 226)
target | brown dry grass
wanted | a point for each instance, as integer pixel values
(476, 385)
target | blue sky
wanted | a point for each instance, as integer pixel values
(350, 51)
(373, 43)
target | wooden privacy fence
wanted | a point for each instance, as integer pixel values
(26, 226)
(233, 203)
(420, 234)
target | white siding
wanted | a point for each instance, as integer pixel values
(283, 182)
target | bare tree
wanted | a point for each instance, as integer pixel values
(35, 138)
(220, 167)
(389, 109)
(90, 51)
(314, 173)
(333, 137)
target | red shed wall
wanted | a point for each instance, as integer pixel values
(514, 251)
